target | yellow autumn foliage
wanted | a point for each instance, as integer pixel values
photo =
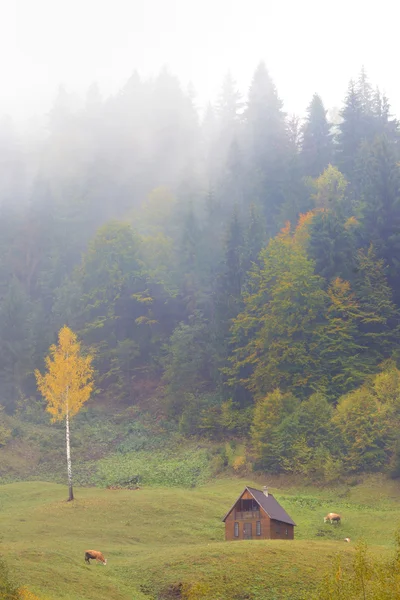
(68, 382)
(302, 231)
(239, 463)
(25, 594)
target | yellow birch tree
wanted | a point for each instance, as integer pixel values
(66, 385)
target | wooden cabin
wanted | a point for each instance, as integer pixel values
(256, 515)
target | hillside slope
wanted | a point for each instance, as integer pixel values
(162, 542)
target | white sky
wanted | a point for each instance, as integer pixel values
(308, 45)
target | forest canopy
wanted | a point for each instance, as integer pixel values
(244, 262)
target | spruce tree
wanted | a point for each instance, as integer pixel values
(229, 283)
(379, 328)
(268, 143)
(380, 204)
(297, 198)
(229, 105)
(255, 236)
(316, 149)
(351, 131)
(191, 260)
(366, 96)
(16, 343)
(332, 245)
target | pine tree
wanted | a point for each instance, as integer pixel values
(189, 362)
(229, 283)
(379, 328)
(366, 115)
(233, 272)
(190, 259)
(67, 385)
(388, 124)
(255, 237)
(209, 135)
(380, 203)
(317, 148)
(297, 197)
(234, 185)
(17, 343)
(351, 131)
(366, 95)
(332, 245)
(332, 228)
(268, 140)
(229, 106)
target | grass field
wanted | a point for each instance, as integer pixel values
(160, 540)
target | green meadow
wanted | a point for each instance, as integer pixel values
(168, 542)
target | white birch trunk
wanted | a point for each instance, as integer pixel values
(69, 465)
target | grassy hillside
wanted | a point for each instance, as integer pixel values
(106, 448)
(165, 542)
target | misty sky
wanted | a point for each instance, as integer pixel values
(308, 46)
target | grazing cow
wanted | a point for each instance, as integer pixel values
(347, 539)
(95, 555)
(333, 518)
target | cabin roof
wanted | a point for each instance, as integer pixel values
(268, 504)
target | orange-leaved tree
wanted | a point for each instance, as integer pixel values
(66, 385)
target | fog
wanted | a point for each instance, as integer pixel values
(142, 188)
(306, 45)
(108, 100)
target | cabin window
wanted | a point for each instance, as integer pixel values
(258, 528)
(236, 530)
(286, 531)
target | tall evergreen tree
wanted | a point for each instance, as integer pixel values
(297, 197)
(229, 106)
(332, 245)
(379, 328)
(189, 362)
(365, 115)
(16, 345)
(366, 95)
(317, 148)
(192, 251)
(229, 284)
(351, 131)
(255, 236)
(380, 208)
(268, 140)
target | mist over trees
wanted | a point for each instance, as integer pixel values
(244, 262)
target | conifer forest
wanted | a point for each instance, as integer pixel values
(233, 270)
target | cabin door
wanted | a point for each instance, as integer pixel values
(247, 531)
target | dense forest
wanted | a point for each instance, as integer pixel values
(239, 272)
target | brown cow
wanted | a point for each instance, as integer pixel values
(94, 555)
(333, 518)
